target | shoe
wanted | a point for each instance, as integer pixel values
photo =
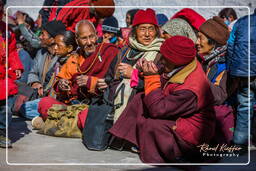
(135, 149)
(5, 142)
(37, 122)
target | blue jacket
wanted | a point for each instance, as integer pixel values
(237, 59)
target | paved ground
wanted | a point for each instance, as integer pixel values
(32, 148)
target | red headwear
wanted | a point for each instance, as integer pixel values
(192, 17)
(145, 17)
(179, 50)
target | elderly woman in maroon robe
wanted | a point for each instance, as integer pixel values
(174, 115)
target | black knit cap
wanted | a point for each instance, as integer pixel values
(54, 27)
(110, 24)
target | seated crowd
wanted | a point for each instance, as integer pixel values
(175, 83)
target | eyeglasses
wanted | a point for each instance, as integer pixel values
(145, 29)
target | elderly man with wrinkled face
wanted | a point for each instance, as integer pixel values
(77, 79)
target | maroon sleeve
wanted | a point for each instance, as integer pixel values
(177, 104)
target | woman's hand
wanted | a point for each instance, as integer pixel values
(125, 70)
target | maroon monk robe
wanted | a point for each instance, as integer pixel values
(99, 69)
(169, 122)
(104, 55)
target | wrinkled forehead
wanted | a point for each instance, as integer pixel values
(85, 29)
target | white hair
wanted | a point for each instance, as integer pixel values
(85, 22)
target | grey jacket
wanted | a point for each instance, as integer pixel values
(30, 36)
(36, 72)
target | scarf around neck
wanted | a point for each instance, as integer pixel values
(148, 52)
(217, 55)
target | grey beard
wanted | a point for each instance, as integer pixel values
(87, 54)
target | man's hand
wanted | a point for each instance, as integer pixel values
(63, 85)
(81, 80)
(20, 18)
(149, 68)
(125, 70)
(101, 84)
(39, 87)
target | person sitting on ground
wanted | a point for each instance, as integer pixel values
(144, 43)
(65, 47)
(212, 47)
(46, 57)
(41, 72)
(77, 80)
(174, 114)
(178, 26)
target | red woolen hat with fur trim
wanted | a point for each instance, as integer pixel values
(178, 50)
(145, 17)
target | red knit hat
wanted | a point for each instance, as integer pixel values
(179, 50)
(191, 16)
(145, 17)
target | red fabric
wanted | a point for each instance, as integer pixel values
(193, 18)
(224, 124)
(82, 118)
(44, 104)
(162, 127)
(145, 17)
(179, 50)
(99, 69)
(53, 12)
(200, 126)
(14, 63)
(71, 16)
(47, 102)
(104, 12)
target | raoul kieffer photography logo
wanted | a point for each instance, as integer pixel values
(219, 150)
